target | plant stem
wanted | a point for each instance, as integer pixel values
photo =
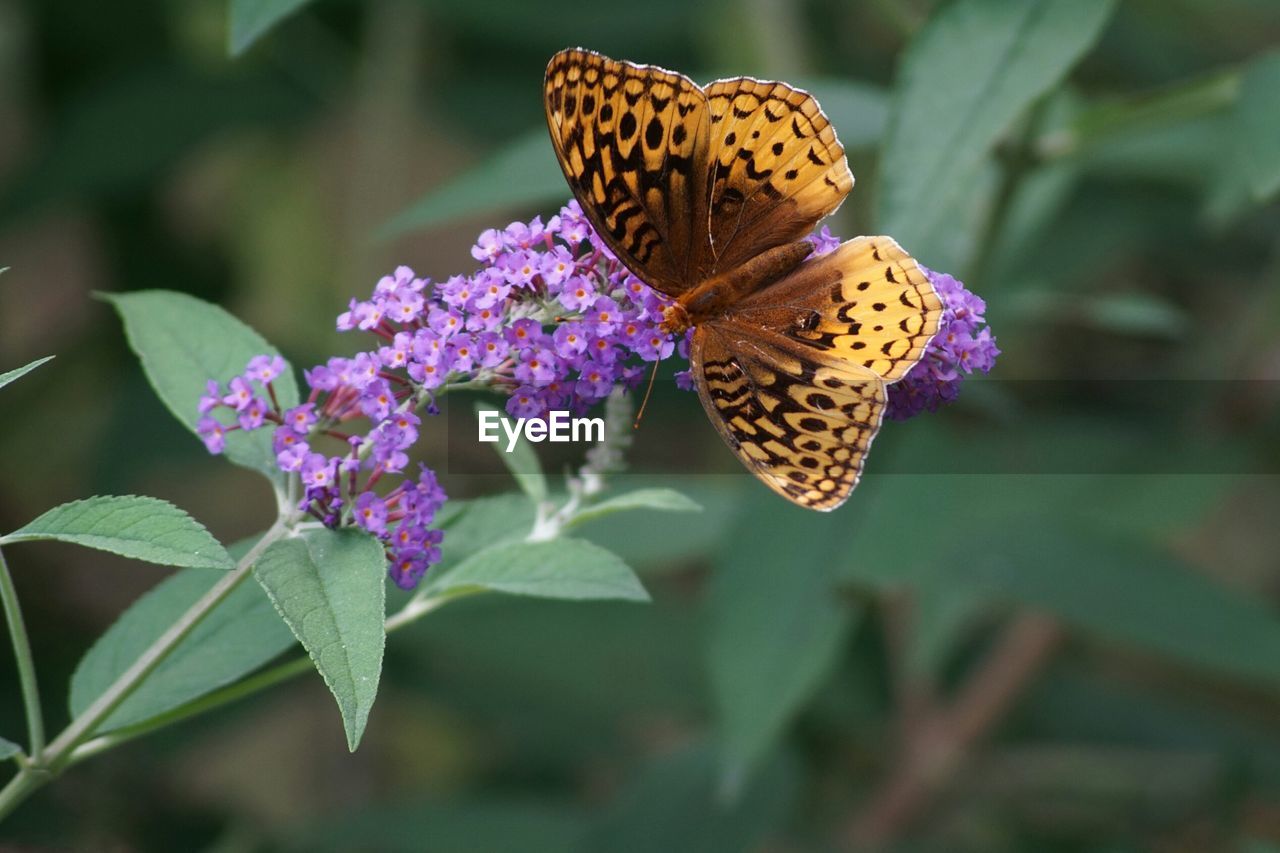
(83, 725)
(26, 665)
(216, 699)
(62, 749)
(411, 612)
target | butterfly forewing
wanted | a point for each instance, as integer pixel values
(632, 141)
(799, 419)
(867, 302)
(777, 168)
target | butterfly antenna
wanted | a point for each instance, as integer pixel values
(648, 391)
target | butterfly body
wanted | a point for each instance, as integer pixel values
(711, 298)
(706, 194)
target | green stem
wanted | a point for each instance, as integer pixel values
(19, 788)
(26, 665)
(83, 725)
(411, 612)
(62, 749)
(216, 699)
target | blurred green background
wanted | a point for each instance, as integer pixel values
(1045, 621)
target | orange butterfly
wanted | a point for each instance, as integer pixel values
(706, 194)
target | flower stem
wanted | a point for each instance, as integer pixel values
(26, 665)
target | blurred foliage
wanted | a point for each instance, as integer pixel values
(1104, 173)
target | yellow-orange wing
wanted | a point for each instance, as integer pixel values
(681, 182)
(867, 302)
(799, 419)
(794, 376)
(632, 141)
(777, 168)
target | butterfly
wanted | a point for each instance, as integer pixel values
(706, 194)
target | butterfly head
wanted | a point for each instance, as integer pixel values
(675, 319)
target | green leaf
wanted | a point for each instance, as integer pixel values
(136, 527)
(250, 19)
(664, 500)
(330, 588)
(475, 524)
(966, 77)
(525, 659)
(18, 373)
(522, 462)
(777, 624)
(8, 749)
(674, 806)
(523, 173)
(1065, 545)
(1258, 125)
(685, 536)
(182, 343)
(562, 568)
(240, 635)
(1127, 591)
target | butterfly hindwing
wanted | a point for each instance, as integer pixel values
(867, 302)
(777, 168)
(632, 141)
(798, 419)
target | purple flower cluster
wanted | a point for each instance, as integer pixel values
(551, 317)
(962, 345)
(333, 490)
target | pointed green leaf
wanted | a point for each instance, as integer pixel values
(1127, 591)
(968, 74)
(663, 500)
(8, 749)
(561, 568)
(523, 173)
(250, 19)
(240, 635)
(182, 343)
(18, 373)
(140, 528)
(1083, 548)
(330, 588)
